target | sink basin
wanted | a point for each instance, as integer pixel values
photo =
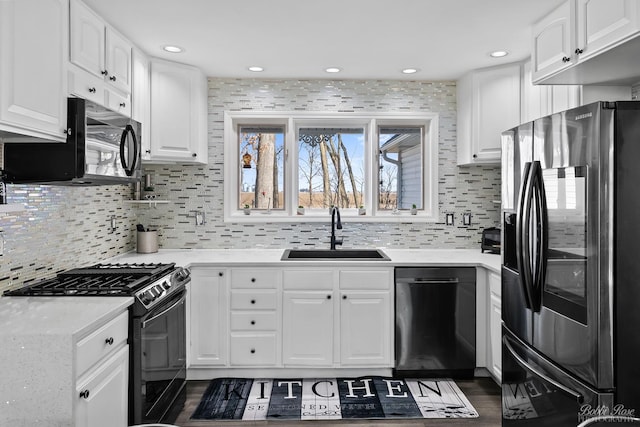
(340, 254)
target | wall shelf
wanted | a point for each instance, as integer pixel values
(151, 202)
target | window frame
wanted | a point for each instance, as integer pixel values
(292, 122)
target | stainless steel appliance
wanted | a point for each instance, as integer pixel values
(435, 310)
(157, 328)
(103, 147)
(570, 272)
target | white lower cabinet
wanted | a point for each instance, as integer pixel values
(102, 394)
(207, 314)
(274, 318)
(308, 327)
(365, 338)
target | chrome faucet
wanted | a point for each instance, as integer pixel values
(335, 212)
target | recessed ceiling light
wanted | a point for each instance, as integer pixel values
(498, 53)
(173, 49)
(410, 70)
(333, 70)
(256, 69)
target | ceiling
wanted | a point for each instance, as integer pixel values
(366, 39)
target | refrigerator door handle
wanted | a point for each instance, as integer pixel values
(541, 243)
(523, 223)
(579, 397)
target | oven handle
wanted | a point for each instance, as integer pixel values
(163, 312)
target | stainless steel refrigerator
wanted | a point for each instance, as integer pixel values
(571, 266)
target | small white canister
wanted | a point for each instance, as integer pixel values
(147, 241)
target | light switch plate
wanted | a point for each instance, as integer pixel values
(449, 219)
(466, 219)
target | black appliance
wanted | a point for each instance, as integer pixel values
(491, 240)
(157, 334)
(570, 272)
(102, 147)
(435, 321)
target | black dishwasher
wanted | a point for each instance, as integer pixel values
(435, 320)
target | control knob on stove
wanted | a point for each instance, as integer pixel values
(147, 297)
(166, 284)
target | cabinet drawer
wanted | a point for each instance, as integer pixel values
(87, 86)
(253, 321)
(362, 279)
(254, 278)
(119, 103)
(253, 300)
(101, 342)
(308, 279)
(253, 349)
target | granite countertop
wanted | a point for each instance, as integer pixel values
(272, 257)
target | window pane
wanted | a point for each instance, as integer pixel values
(400, 168)
(331, 167)
(261, 167)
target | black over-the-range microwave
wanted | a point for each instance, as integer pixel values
(102, 147)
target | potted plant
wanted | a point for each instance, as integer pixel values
(362, 210)
(300, 210)
(414, 209)
(247, 209)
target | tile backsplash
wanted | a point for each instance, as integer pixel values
(66, 227)
(461, 189)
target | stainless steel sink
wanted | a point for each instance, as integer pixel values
(341, 254)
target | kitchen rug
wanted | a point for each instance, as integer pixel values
(332, 398)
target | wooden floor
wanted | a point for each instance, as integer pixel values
(483, 393)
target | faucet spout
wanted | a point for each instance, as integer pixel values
(335, 214)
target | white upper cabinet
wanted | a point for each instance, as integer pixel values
(488, 104)
(552, 42)
(588, 42)
(101, 60)
(98, 48)
(33, 52)
(178, 113)
(141, 98)
(602, 24)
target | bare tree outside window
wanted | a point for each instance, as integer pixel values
(330, 167)
(261, 167)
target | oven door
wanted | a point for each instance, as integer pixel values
(159, 366)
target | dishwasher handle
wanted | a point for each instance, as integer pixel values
(429, 281)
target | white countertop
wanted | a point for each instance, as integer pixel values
(72, 316)
(399, 257)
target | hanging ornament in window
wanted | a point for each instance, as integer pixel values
(246, 161)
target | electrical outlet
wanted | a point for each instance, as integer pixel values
(466, 219)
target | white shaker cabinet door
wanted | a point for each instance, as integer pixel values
(102, 398)
(601, 24)
(365, 328)
(87, 39)
(208, 328)
(307, 328)
(33, 56)
(118, 60)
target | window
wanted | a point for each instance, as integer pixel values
(400, 168)
(294, 166)
(262, 167)
(331, 167)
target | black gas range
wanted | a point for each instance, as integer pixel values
(157, 328)
(150, 284)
